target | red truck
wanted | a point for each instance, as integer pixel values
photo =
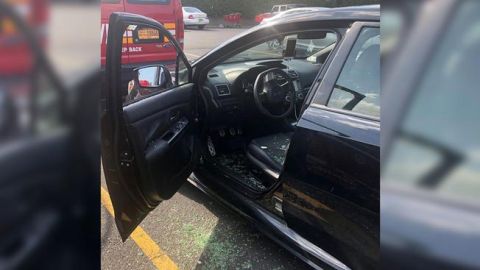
(167, 12)
(15, 56)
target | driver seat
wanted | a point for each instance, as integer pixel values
(269, 153)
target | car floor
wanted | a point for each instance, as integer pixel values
(236, 165)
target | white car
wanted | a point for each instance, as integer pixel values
(292, 11)
(193, 16)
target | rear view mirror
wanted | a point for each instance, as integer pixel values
(312, 35)
(290, 48)
(157, 76)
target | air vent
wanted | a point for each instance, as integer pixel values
(292, 73)
(222, 90)
(213, 75)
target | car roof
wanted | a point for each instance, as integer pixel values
(354, 13)
(293, 10)
(305, 8)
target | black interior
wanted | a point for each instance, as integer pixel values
(249, 148)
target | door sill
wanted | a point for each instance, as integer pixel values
(238, 173)
(275, 228)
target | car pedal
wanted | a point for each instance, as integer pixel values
(211, 147)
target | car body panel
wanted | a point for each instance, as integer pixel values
(331, 185)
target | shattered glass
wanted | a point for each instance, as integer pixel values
(275, 146)
(237, 164)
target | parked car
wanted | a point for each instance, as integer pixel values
(430, 212)
(289, 137)
(193, 16)
(292, 11)
(275, 10)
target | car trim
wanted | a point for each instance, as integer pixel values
(304, 243)
(345, 112)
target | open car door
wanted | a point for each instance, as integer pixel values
(148, 120)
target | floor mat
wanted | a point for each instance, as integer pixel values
(237, 165)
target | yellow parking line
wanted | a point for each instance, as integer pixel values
(157, 256)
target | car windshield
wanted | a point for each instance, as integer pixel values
(305, 47)
(192, 10)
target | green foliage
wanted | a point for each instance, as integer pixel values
(250, 8)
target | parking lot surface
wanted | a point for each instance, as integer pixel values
(191, 229)
(199, 42)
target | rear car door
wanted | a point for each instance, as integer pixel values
(332, 174)
(148, 130)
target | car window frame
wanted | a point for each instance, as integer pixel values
(332, 73)
(146, 2)
(180, 56)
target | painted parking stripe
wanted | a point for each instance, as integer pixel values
(156, 255)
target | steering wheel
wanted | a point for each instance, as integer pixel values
(271, 93)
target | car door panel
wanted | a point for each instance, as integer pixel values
(160, 129)
(148, 145)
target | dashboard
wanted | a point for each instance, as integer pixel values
(230, 85)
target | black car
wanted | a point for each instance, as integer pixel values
(430, 210)
(288, 136)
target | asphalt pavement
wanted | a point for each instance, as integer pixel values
(192, 230)
(199, 42)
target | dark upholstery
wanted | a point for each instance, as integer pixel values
(269, 153)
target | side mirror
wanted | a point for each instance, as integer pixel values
(156, 76)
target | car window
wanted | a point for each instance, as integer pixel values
(275, 9)
(192, 10)
(437, 147)
(283, 8)
(143, 80)
(308, 44)
(358, 87)
(149, 1)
